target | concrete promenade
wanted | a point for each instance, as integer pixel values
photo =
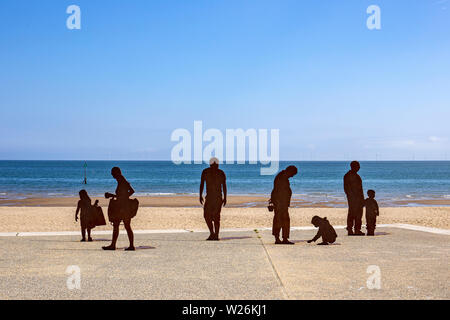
(245, 264)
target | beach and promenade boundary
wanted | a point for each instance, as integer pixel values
(74, 233)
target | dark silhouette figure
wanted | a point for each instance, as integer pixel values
(326, 231)
(84, 205)
(281, 200)
(215, 180)
(372, 211)
(98, 219)
(121, 208)
(355, 196)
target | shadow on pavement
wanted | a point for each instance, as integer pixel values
(235, 238)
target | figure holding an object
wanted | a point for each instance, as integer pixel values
(281, 201)
(121, 208)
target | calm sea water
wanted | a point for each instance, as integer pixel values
(317, 181)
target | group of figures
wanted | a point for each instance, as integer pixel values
(280, 202)
(122, 208)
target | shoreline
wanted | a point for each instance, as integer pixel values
(233, 201)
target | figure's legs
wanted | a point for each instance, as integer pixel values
(286, 228)
(286, 241)
(210, 225)
(374, 224)
(354, 218)
(130, 234)
(216, 218)
(276, 233)
(350, 220)
(358, 220)
(83, 234)
(89, 234)
(115, 235)
(327, 240)
(370, 227)
(216, 229)
(276, 227)
(208, 219)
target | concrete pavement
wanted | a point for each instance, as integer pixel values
(243, 265)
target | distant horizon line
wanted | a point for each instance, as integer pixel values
(235, 162)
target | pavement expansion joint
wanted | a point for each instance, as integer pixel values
(283, 288)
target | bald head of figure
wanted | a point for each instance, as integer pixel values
(291, 171)
(214, 163)
(355, 166)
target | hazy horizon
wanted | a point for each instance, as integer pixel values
(205, 162)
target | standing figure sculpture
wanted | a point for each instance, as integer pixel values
(355, 196)
(123, 209)
(84, 207)
(281, 200)
(216, 184)
(372, 212)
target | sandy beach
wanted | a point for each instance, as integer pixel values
(57, 214)
(179, 201)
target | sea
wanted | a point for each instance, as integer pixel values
(404, 182)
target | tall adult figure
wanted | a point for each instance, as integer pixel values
(216, 185)
(355, 196)
(122, 195)
(281, 200)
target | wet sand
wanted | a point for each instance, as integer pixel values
(180, 201)
(191, 201)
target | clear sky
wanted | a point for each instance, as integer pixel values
(137, 70)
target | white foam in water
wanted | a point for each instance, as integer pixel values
(318, 183)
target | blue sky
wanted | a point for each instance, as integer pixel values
(137, 70)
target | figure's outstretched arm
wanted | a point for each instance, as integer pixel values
(318, 235)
